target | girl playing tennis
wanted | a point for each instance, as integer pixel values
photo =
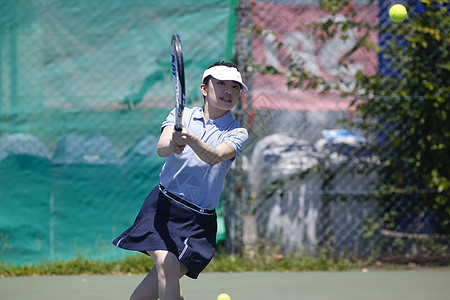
(177, 223)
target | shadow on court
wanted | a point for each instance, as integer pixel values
(417, 284)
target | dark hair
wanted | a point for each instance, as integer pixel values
(219, 63)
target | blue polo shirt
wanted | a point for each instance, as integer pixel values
(186, 175)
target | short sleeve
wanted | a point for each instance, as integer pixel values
(170, 120)
(237, 138)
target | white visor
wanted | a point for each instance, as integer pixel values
(225, 73)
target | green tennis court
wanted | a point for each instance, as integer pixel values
(417, 284)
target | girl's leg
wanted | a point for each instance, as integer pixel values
(169, 271)
(148, 288)
(164, 280)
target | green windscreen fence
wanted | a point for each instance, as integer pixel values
(84, 87)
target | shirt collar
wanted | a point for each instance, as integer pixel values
(222, 121)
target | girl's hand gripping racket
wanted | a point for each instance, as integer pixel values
(178, 80)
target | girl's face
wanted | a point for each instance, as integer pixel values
(221, 95)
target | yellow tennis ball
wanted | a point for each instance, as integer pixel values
(397, 13)
(223, 297)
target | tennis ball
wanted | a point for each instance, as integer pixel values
(397, 13)
(223, 297)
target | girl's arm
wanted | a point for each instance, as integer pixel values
(165, 145)
(208, 154)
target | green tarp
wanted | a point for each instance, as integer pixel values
(90, 82)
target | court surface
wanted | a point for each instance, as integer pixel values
(398, 285)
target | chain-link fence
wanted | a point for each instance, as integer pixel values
(85, 86)
(328, 167)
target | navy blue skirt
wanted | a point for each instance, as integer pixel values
(165, 224)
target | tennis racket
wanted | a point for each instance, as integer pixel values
(178, 80)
